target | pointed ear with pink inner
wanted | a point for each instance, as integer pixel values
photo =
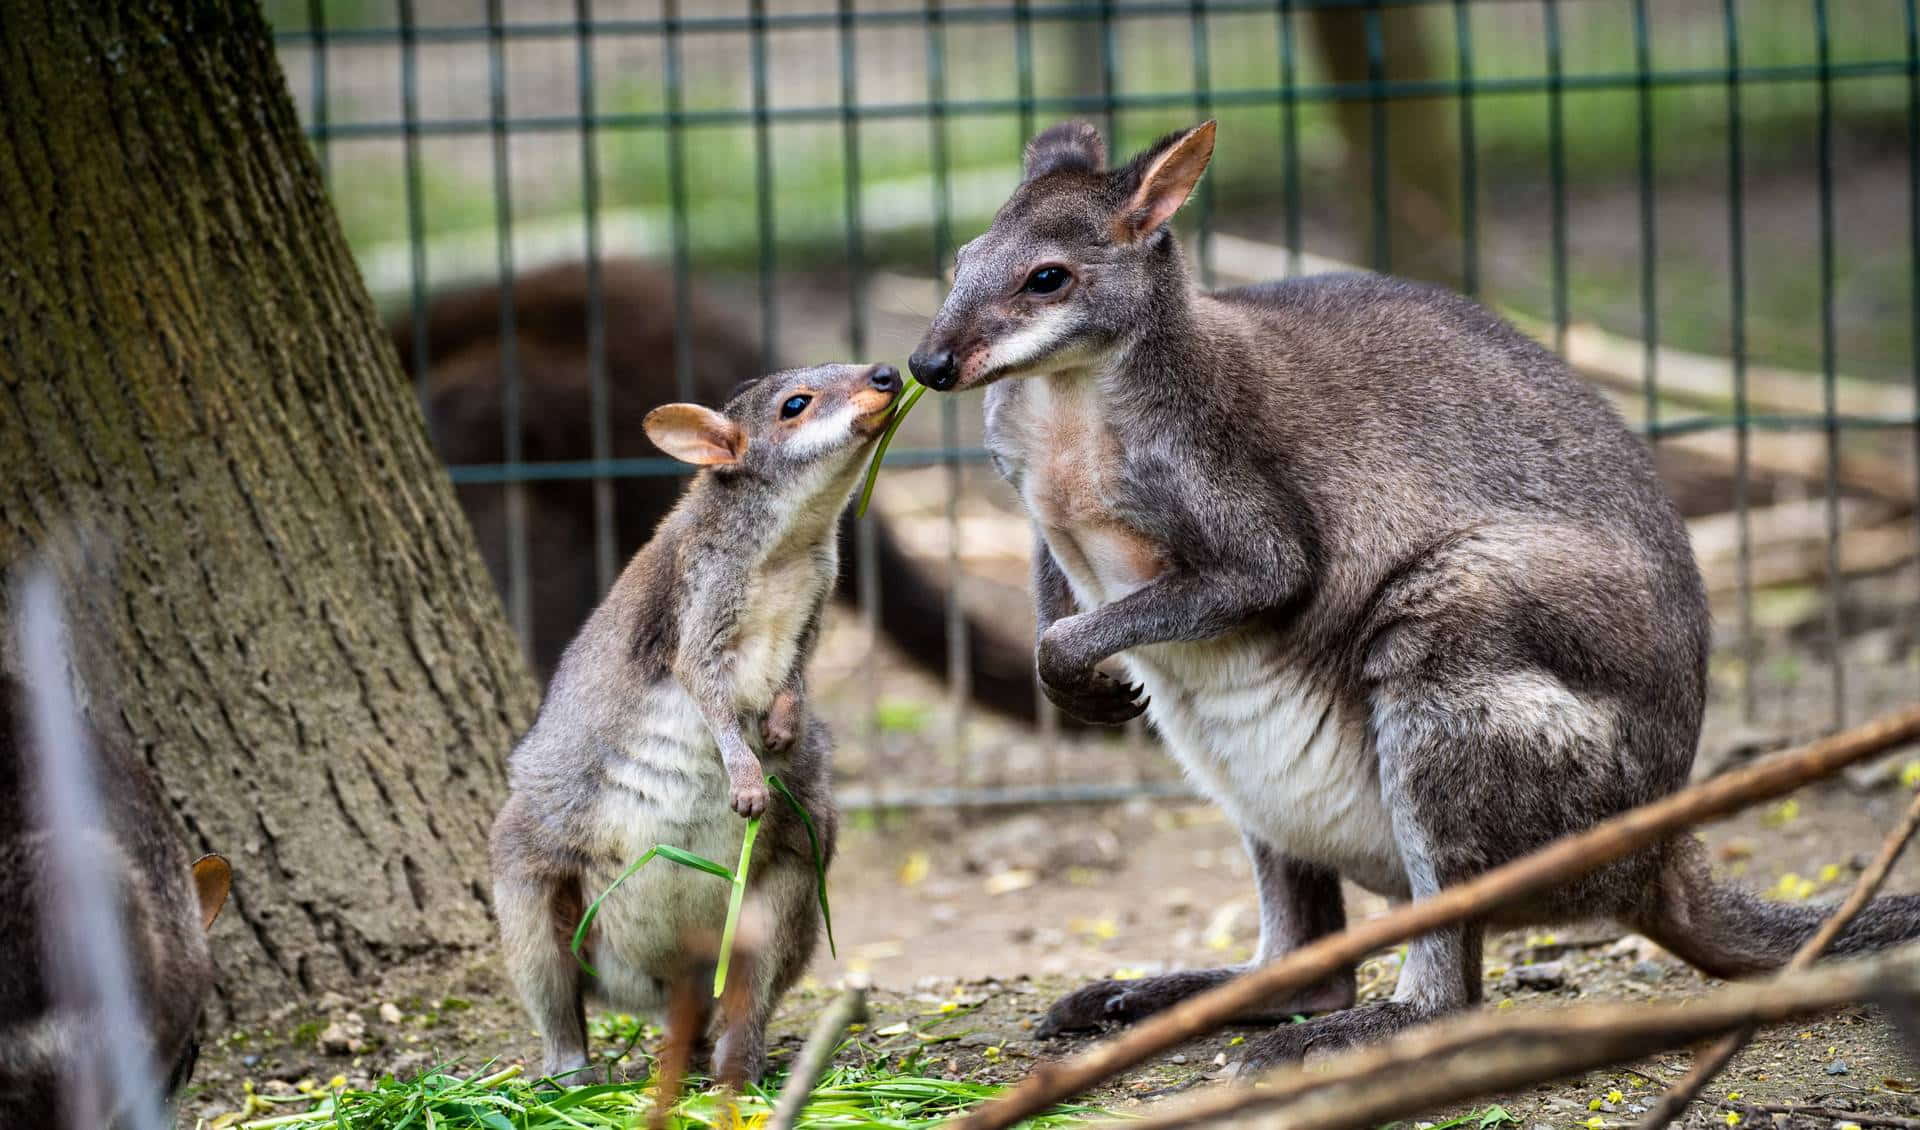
(1166, 184)
(693, 433)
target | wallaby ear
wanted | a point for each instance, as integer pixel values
(212, 879)
(695, 434)
(1067, 147)
(1171, 170)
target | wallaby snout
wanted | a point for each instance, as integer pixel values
(935, 368)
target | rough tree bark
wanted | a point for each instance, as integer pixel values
(296, 630)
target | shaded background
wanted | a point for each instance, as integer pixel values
(1709, 206)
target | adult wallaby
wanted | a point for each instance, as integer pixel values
(1405, 595)
(653, 727)
(103, 953)
(551, 305)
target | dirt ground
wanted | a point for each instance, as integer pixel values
(969, 926)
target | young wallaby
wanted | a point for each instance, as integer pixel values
(103, 952)
(461, 331)
(649, 729)
(1403, 595)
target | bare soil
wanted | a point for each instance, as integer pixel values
(970, 926)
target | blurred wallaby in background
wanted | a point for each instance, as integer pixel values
(550, 351)
(103, 951)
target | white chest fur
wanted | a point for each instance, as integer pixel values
(780, 596)
(1279, 752)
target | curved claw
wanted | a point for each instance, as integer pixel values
(1097, 699)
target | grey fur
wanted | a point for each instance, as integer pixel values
(1407, 595)
(104, 962)
(659, 713)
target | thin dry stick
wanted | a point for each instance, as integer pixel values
(848, 1008)
(1468, 1056)
(1554, 864)
(1859, 1117)
(1712, 1061)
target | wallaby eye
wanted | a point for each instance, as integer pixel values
(1046, 280)
(794, 406)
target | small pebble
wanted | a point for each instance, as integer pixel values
(1649, 971)
(1539, 975)
(1178, 1059)
(1837, 1067)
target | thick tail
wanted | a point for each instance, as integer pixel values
(1728, 931)
(913, 614)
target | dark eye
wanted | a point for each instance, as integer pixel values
(1046, 280)
(794, 406)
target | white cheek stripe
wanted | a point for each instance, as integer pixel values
(1029, 343)
(821, 433)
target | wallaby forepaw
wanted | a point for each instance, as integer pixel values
(1094, 697)
(750, 800)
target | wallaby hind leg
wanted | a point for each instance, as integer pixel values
(1442, 970)
(538, 904)
(536, 925)
(1299, 902)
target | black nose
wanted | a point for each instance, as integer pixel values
(935, 369)
(885, 378)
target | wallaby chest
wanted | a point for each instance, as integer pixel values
(781, 594)
(1066, 462)
(1252, 724)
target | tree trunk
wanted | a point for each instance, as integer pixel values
(1421, 237)
(296, 629)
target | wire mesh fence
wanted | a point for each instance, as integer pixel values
(575, 211)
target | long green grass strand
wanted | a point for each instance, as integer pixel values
(666, 851)
(733, 906)
(819, 860)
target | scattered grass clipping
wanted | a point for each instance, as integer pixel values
(870, 1092)
(737, 876)
(915, 390)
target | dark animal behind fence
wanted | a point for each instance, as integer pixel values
(551, 308)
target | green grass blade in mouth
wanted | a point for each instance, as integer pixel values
(907, 400)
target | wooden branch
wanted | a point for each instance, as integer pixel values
(1861, 1117)
(849, 1007)
(1702, 381)
(1786, 557)
(1552, 865)
(1714, 1059)
(1482, 1053)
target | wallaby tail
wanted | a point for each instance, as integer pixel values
(1728, 931)
(913, 614)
